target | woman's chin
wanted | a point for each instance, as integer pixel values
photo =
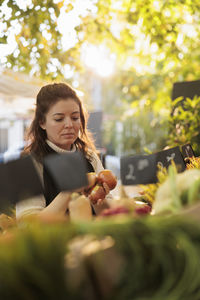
(66, 144)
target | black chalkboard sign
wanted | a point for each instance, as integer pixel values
(142, 169)
(165, 157)
(68, 170)
(187, 151)
(19, 180)
(138, 169)
(186, 89)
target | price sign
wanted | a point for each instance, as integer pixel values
(165, 157)
(68, 170)
(138, 169)
(18, 181)
(142, 169)
(187, 151)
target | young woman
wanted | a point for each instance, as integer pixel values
(59, 125)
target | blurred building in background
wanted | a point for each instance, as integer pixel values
(95, 127)
(17, 100)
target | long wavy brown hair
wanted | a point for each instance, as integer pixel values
(48, 96)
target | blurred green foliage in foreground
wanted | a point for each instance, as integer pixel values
(145, 258)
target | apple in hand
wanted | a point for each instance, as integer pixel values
(97, 192)
(106, 176)
(92, 179)
(100, 185)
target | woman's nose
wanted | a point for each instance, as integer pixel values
(68, 122)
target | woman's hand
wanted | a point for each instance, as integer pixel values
(106, 188)
(100, 185)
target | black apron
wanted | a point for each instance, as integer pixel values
(50, 189)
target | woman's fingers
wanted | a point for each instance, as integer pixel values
(106, 188)
(100, 201)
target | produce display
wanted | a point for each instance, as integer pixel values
(177, 191)
(143, 248)
(114, 258)
(79, 208)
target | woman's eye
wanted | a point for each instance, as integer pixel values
(75, 118)
(58, 120)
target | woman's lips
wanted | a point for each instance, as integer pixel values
(68, 134)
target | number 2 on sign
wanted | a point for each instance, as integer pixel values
(169, 158)
(130, 174)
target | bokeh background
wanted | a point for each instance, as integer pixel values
(122, 57)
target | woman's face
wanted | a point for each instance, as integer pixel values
(62, 123)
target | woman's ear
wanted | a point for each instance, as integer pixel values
(42, 125)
